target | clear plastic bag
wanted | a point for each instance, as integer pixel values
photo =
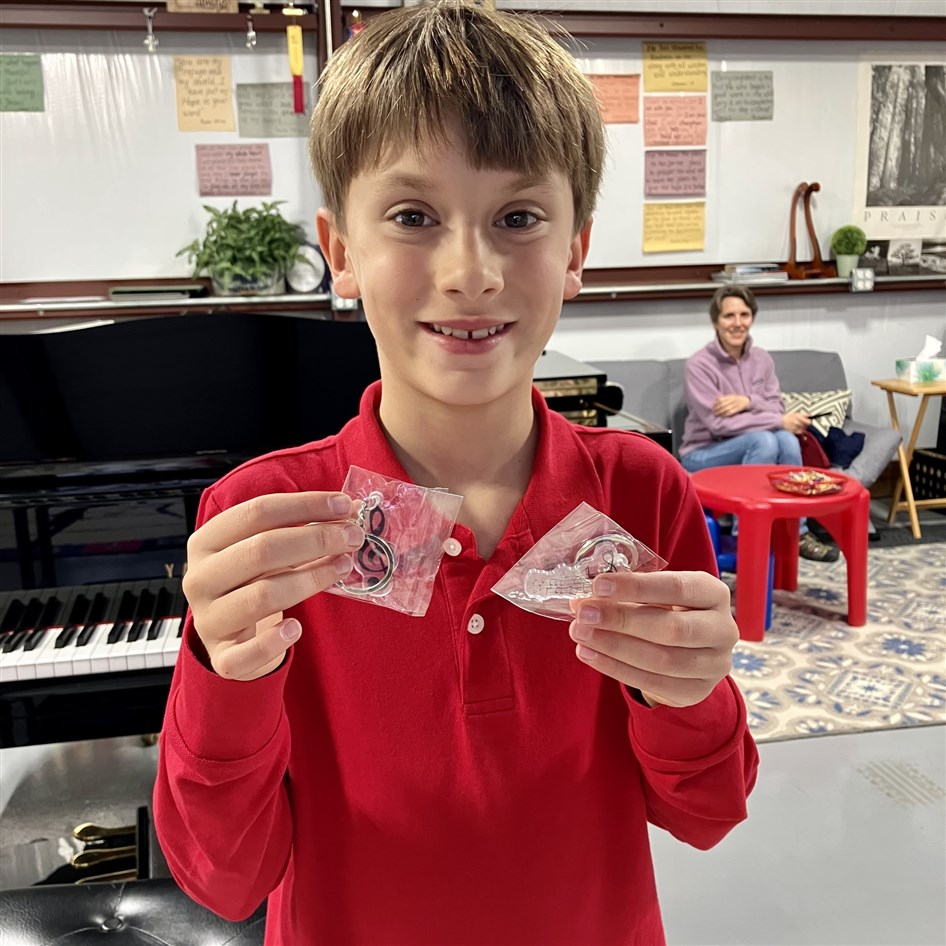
(562, 564)
(405, 529)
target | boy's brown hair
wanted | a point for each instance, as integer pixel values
(517, 96)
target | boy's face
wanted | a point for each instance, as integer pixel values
(433, 247)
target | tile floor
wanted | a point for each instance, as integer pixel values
(843, 847)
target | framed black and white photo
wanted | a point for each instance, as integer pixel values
(900, 176)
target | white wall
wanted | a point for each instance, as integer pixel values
(870, 330)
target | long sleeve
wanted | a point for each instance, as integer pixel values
(699, 762)
(703, 385)
(222, 810)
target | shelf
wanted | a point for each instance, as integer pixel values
(750, 26)
(615, 291)
(601, 286)
(121, 16)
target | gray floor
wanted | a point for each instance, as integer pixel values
(844, 845)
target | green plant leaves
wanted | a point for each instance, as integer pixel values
(252, 243)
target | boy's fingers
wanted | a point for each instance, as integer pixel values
(690, 590)
(245, 606)
(259, 655)
(269, 553)
(264, 513)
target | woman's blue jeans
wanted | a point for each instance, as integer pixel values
(763, 446)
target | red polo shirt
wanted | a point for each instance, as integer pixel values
(444, 780)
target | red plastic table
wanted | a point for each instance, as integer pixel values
(768, 518)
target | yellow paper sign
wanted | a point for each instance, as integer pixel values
(669, 228)
(674, 67)
(204, 98)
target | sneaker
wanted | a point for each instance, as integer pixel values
(812, 548)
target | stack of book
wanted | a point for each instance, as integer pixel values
(751, 274)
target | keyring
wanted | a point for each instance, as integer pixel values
(375, 554)
(614, 538)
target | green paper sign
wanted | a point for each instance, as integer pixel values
(21, 84)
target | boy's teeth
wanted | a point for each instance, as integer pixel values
(463, 334)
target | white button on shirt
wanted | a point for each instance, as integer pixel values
(476, 624)
(452, 547)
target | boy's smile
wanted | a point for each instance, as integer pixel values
(461, 271)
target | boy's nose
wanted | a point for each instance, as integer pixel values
(469, 266)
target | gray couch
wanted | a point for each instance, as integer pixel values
(654, 390)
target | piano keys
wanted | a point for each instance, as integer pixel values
(88, 661)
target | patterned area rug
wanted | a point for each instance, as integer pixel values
(813, 674)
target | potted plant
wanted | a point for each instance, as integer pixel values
(847, 244)
(246, 252)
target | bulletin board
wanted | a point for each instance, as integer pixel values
(102, 183)
(752, 166)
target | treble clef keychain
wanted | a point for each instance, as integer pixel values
(376, 560)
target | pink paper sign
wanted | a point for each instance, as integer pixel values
(618, 96)
(674, 173)
(234, 170)
(674, 120)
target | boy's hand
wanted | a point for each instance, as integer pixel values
(252, 561)
(668, 634)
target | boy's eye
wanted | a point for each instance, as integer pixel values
(412, 218)
(519, 220)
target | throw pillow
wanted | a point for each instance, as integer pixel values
(825, 408)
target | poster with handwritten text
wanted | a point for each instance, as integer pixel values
(618, 97)
(234, 170)
(675, 173)
(265, 110)
(672, 227)
(21, 83)
(743, 96)
(204, 98)
(674, 67)
(674, 120)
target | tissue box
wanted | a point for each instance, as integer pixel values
(921, 372)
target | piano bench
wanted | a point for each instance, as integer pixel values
(136, 912)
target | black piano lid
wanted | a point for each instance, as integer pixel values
(554, 366)
(177, 388)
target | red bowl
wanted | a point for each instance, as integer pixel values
(805, 481)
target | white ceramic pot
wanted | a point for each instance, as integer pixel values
(847, 263)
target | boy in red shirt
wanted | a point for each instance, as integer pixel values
(479, 775)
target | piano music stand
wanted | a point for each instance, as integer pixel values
(817, 268)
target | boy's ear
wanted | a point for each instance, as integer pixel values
(334, 246)
(578, 252)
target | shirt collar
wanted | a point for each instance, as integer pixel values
(563, 472)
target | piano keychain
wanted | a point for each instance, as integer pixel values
(563, 564)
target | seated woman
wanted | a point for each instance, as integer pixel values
(734, 404)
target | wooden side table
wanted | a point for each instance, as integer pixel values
(924, 392)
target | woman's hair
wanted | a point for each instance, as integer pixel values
(724, 292)
(414, 75)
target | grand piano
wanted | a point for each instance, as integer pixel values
(156, 409)
(145, 410)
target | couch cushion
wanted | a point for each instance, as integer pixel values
(827, 409)
(810, 370)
